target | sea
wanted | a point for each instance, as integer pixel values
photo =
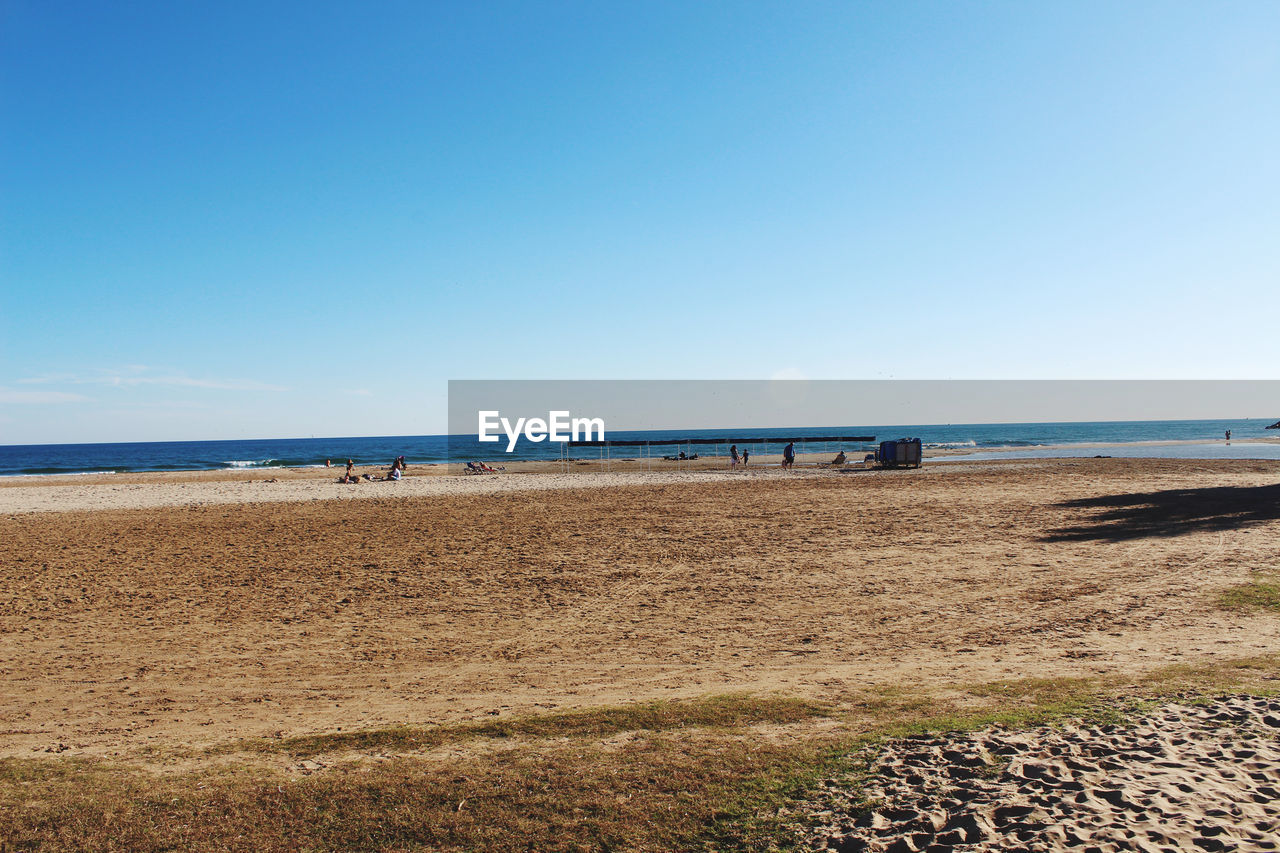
(1198, 439)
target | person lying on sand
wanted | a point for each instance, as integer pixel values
(392, 476)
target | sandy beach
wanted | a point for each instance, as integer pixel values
(153, 617)
(1183, 777)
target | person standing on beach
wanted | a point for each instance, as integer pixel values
(733, 456)
(1228, 436)
(788, 456)
(746, 454)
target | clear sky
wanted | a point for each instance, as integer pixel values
(236, 220)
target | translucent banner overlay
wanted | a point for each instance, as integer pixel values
(493, 421)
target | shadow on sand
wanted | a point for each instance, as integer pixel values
(1170, 513)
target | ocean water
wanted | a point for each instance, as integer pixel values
(1202, 440)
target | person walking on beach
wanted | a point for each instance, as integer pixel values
(746, 454)
(733, 456)
(1228, 436)
(788, 456)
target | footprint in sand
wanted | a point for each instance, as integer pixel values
(1186, 777)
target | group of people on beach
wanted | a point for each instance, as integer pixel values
(736, 458)
(352, 478)
(788, 456)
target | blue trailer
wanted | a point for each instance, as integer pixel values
(902, 453)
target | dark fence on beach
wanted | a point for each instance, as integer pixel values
(772, 439)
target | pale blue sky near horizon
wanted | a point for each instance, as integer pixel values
(284, 219)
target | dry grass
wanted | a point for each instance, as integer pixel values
(729, 711)
(566, 784)
(707, 775)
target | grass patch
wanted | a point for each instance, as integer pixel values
(1255, 595)
(706, 775)
(727, 711)
(654, 793)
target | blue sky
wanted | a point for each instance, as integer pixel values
(285, 219)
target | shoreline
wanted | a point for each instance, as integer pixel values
(706, 461)
(156, 490)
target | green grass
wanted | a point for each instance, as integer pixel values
(714, 774)
(1257, 595)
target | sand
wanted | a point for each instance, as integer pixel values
(1183, 777)
(152, 616)
(167, 490)
(182, 622)
(144, 490)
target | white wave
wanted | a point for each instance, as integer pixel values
(969, 443)
(248, 463)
